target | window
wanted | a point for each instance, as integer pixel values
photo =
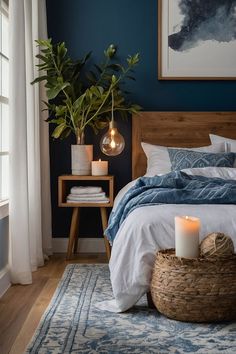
(4, 101)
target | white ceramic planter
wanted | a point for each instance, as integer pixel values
(81, 159)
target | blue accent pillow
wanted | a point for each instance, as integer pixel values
(181, 159)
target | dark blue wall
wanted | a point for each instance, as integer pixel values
(132, 25)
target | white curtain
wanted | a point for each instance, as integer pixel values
(30, 205)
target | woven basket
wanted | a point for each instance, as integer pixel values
(194, 290)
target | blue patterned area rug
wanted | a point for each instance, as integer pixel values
(72, 323)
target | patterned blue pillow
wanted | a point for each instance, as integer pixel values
(181, 159)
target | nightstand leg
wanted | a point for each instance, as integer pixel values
(77, 233)
(104, 226)
(73, 231)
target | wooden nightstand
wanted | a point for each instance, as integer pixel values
(63, 191)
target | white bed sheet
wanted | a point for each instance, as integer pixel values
(144, 232)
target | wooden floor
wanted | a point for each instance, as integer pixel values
(21, 307)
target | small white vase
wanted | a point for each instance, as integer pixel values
(81, 159)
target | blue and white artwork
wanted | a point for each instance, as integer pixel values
(204, 20)
(197, 39)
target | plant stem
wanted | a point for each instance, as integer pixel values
(86, 115)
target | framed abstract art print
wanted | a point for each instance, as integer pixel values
(197, 39)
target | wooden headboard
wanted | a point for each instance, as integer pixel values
(179, 129)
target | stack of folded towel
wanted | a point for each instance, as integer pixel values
(87, 195)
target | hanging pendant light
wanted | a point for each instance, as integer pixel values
(112, 143)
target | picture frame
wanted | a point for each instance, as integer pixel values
(204, 50)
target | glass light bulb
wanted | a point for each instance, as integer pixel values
(112, 143)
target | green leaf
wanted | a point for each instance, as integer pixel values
(110, 51)
(134, 108)
(107, 77)
(97, 91)
(53, 92)
(46, 50)
(115, 67)
(136, 58)
(133, 60)
(91, 76)
(58, 121)
(66, 132)
(61, 110)
(98, 68)
(42, 57)
(101, 89)
(44, 42)
(95, 130)
(78, 102)
(62, 50)
(87, 56)
(119, 100)
(51, 107)
(42, 66)
(101, 124)
(58, 130)
(89, 94)
(113, 79)
(39, 79)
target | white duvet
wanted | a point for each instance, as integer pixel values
(151, 228)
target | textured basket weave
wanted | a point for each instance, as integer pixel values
(194, 290)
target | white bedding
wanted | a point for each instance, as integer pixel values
(151, 228)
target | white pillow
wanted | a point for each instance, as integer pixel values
(158, 160)
(220, 172)
(122, 192)
(230, 144)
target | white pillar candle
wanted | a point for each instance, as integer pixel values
(187, 236)
(99, 168)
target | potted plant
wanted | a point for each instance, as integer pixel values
(81, 98)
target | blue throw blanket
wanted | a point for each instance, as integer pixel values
(173, 188)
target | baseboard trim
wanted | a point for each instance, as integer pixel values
(4, 209)
(4, 280)
(85, 245)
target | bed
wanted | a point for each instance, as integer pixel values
(150, 228)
